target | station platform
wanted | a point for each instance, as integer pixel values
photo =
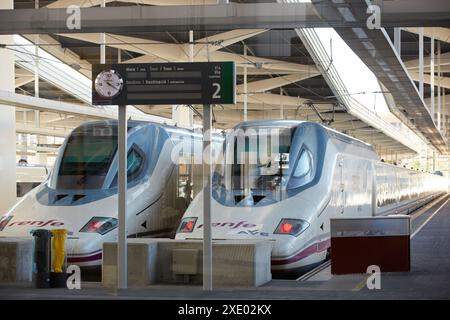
(429, 277)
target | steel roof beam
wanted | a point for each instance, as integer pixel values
(401, 13)
(28, 102)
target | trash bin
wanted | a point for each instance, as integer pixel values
(41, 258)
(58, 274)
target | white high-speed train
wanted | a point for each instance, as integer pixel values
(80, 194)
(288, 191)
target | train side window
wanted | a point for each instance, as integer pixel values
(135, 164)
(302, 172)
(303, 166)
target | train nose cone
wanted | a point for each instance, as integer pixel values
(283, 249)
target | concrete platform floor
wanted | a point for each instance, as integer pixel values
(428, 279)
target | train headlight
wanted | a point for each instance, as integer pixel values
(101, 225)
(291, 227)
(187, 225)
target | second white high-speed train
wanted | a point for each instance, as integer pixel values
(288, 191)
(80, 194)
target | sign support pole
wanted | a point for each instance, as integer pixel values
(122, 205)
(207, 82)
(207, 238)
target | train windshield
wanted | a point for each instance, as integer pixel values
(255, 167)
(86, 159)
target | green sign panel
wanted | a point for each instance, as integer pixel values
(164, 83)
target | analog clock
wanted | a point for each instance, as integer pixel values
(108, 84)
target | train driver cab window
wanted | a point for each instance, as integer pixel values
(255, 168)
(85, 161)
(303, 170)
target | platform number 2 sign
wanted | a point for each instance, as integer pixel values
(216, 94)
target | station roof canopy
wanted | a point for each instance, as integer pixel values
(281, 73)
(375, 48)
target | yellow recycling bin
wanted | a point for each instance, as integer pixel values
(59, 249)
(57, 277)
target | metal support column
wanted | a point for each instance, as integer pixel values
(245, 84)
(207, 238)
(122, 132)
(102, 48)
(37, 120)
(7, 121)
(122, 205)
(103, 40)
(191, 46)
(36, 59)
(446, 111)
(448, 173)
(432, 79)
(182, 114)
(398, 41)
(281, 104)
(439, 110)
(448, 170)
(421, 62)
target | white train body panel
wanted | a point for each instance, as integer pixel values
(345, 187)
